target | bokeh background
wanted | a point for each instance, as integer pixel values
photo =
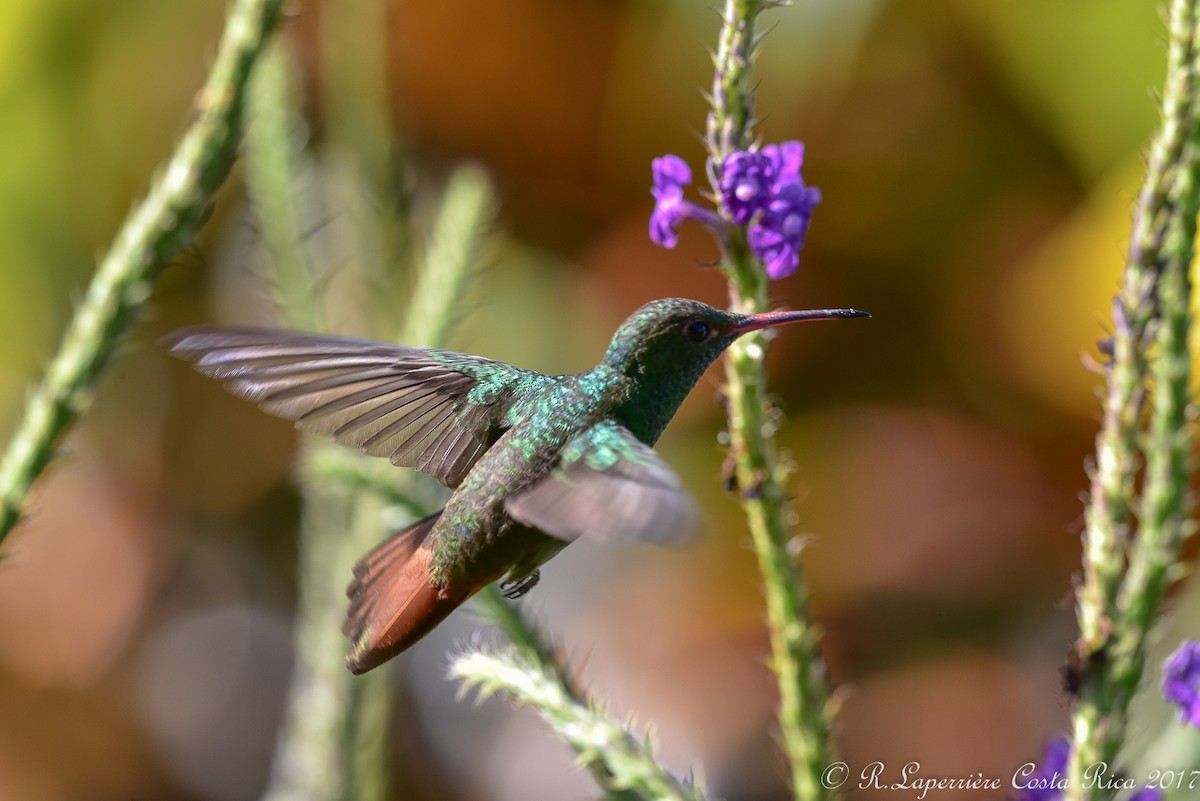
(978, 160)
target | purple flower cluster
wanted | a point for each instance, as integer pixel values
(760, 190)
(1180, 686)
(671, 175)
(1048, 780)
(1181, 681)
(1147, 794)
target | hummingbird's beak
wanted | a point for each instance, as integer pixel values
(754, 322)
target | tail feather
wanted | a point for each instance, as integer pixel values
(392, 603)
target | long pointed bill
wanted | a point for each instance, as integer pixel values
(769, 319)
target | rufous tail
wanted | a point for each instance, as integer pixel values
(392, 603)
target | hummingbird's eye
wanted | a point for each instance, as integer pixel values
(697, 331)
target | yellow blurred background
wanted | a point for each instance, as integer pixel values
(978, 160)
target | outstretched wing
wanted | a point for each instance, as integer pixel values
(608, 485)
(432, 410)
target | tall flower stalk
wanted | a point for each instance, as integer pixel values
(622, 760)
(1133, 537)
(763, 215)
(795, 659)
(155, 232)
(333, 743)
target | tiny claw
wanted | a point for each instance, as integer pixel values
(514, 589)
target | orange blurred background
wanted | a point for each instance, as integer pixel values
(978, 161)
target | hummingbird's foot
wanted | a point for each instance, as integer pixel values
(513, 590)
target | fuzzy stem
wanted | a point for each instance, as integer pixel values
(795, 658)
(161, 226)
(273, 164)
(333, 745)
(316, 758)
(531, 646)
(451, 254)
(521, 632)
(1165, 503)
(626, 759)
(1115, 608)
(795, 655)
(328, 714)
(731, 117)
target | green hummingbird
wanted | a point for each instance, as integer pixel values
(535, 461)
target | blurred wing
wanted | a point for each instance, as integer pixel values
(432, 410)
(608, 485)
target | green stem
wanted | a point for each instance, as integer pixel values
(610, 749)
(320, 754)
(795, 656)
(531, 646)
(1125, 577)
(333, 743)
(273, 166)
(521, 632)
(795, 653)
(452, 252)
(161, 226)
(1165, 504)
(316, 758)
(731, 117)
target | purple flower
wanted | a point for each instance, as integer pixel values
(778, 234)
(1147, 794)
(1047, 781)
(745, 184)
(759, 190)
(671, 175)
(1181, 681)
(751, 179)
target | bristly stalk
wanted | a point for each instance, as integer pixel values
(610, 749)
(453, 251)
(333, 744)
(1165, 503)
(530, 647)
(521, 632)
(273, 162)
(1125, 576)
(316, 757)
(795, 658)
(154, 233)
(731, 115)
(330, 746)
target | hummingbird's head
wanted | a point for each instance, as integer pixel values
(665, 346)
(678, 338)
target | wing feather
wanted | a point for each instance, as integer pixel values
(411, 405)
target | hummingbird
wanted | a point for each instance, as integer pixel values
(534, 461)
